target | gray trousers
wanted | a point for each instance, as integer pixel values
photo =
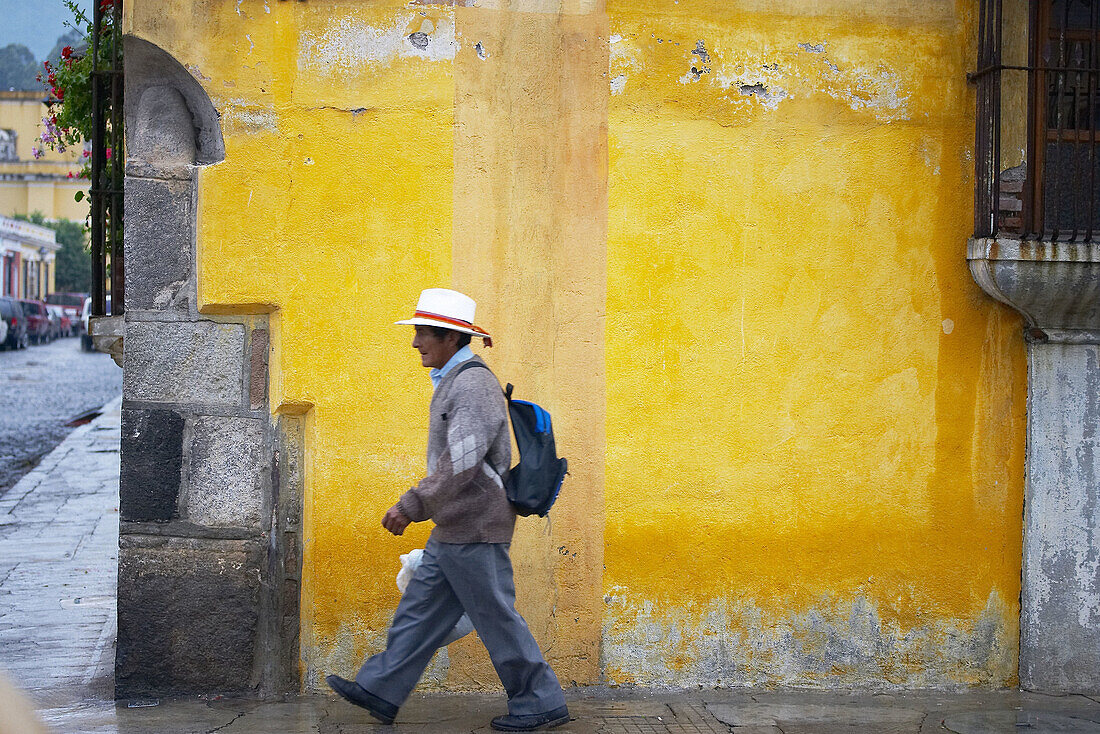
(452, 578)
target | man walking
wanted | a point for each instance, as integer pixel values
(466, 567)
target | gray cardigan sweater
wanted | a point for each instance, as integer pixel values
(469, 450)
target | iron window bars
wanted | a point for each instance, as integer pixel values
(1054, 194)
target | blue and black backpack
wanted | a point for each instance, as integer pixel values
(533, 484)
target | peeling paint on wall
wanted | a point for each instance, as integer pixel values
(768, 75)
(358, 640)
(700, 63)
(348, 44)
(877, 90)
(931, 150)
(837, 643)
(195, 72)
(770, 98)
(240, 115)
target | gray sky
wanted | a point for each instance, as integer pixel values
(35, 23)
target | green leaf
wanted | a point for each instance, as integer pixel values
(79, 196)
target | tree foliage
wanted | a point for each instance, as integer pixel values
(18, 68)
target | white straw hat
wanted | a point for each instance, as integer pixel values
(448, 309)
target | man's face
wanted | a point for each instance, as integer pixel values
(434, 350)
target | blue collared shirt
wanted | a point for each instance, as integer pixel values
(438, 373)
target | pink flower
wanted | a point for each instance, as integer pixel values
(108, 154)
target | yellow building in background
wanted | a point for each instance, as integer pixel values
(28, 259)
(724, 243)
(27, 184)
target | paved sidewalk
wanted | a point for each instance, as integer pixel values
(58, 565)
(612, 711)
(58, 554)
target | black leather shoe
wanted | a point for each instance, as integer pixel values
(352, 692)
(531, 722)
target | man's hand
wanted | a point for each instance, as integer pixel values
(395, 521)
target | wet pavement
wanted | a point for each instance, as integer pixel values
(58, 564)
(41, 389)
(605, 711)
(58, 552)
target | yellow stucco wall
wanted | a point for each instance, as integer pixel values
(815, 418)
(795, 425)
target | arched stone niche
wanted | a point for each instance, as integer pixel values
(170, 120)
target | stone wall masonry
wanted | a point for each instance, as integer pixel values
(184, 362)
(257, 378)
(159, 231)
(151, 461)
(200, 549)
(280, 623)
(187, 613)
(209, 559)
(226, 472)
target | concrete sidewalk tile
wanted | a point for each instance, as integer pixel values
(995, 722)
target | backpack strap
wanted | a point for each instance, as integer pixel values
(468, 364)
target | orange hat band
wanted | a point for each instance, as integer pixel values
(456, 322)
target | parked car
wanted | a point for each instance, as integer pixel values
(60, 323)
(15, 324)
(38, 320)
(86, 313)
(71, 302)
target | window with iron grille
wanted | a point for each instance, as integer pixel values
(1038, 93)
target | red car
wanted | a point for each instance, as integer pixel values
(38, 320)
(72, 303)
(60, 323)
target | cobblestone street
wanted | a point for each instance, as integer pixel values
(41, 389)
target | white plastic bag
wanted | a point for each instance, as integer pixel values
(409, 563)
